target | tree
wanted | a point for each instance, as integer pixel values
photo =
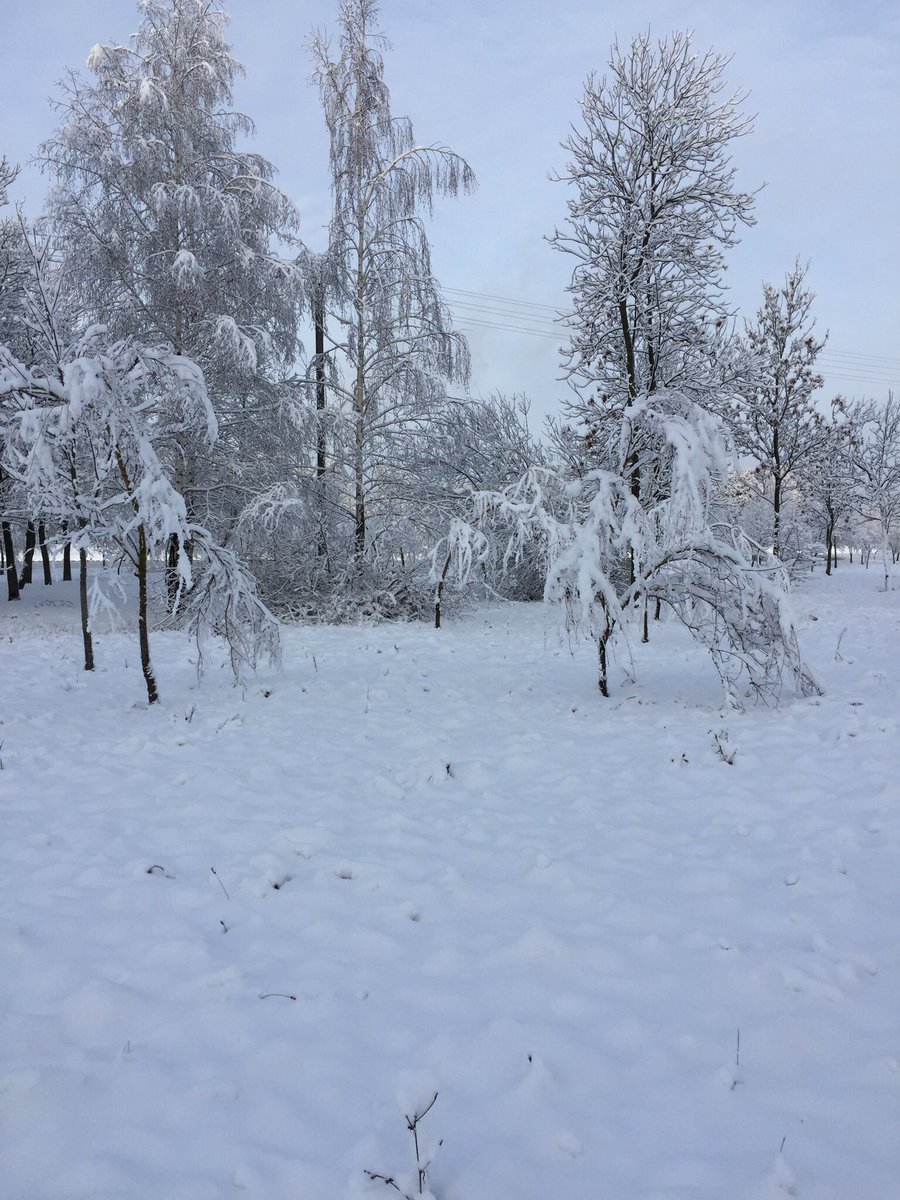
(391, 343)
(642, 521)
(12, 274)
(610, 555)
(827, 478)
(772, 415)
(85, 443)
(876, 460)
(168, 230)
(87, 432)
(655, 208)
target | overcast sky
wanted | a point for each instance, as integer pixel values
(500, 84)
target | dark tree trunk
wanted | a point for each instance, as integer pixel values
(86, 636)
(602, 681)
(67, 562)
(321, 462)
(172, 569)
(28, 560)
(440, 592)
(9, 554)
(173, 578)
(776, 522)
(45, 554)
(143, 627)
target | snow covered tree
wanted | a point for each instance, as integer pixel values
(827, 479)
(169, 230)
(389, 334)
(610, 555)
(87, 431)
(876, 460)
(641, 524)
(482, 446)
(10, 299)
(13, 262)
(655, 208)
(772, 414)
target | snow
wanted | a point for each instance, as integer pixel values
(246, 935)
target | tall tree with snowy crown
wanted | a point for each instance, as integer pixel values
(655, 207)
(169, 228)
(390, 334)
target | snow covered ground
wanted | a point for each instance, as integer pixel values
(243, 935)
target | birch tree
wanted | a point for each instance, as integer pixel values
(170, 229)
(389, 333)
(12, 275)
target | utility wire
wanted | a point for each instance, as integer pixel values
(483, 310)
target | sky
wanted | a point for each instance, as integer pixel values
(500, 84)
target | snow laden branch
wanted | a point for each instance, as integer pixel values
(223, 600)
(87, 442)
(611, 556)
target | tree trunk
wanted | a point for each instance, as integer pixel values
(776, 520)
(45, 554)
(321, 462)
(172, 570)
(86, 636)
(440, 592)
(602, 681)
(28, 559)
(886, 561)
(12, 579)
(143, 627)
(67, 562)
(359, 465)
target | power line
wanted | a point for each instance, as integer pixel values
(475, 309)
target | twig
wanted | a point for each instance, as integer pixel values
(838, 657)
(221, 884)
(386, 1179)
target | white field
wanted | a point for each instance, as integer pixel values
(450, 867)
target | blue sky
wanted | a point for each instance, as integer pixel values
(500, 83)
